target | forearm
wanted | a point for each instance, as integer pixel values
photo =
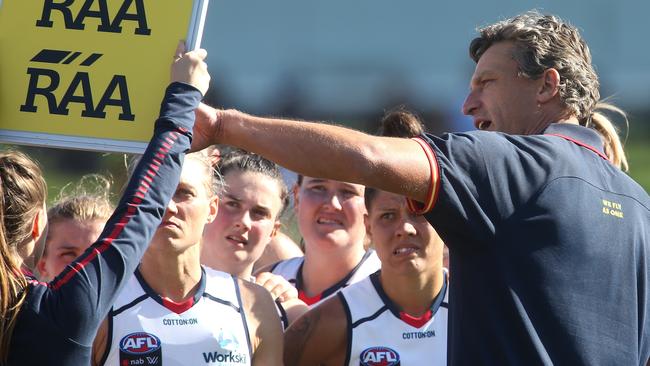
(320, 150)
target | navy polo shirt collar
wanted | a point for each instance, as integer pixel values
(580, 135)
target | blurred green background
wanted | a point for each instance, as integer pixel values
(62, 166)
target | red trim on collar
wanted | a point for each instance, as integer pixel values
(416, 322)
(309, 300)
(580, 143)
(178, 307)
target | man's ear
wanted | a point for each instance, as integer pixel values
(550, 86)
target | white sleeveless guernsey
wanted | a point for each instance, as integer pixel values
(209, 329)
(291, 270)
(378, 334)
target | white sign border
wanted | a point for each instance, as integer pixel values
(71, 142)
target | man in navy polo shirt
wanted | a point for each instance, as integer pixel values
(549, 239)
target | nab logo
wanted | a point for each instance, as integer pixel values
(379, 356)
(140, 343)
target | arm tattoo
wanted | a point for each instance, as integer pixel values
(297, 337)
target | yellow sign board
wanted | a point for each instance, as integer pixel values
(89, 74)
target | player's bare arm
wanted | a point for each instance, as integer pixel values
(320, 150)
(319, 337)
(264, 325)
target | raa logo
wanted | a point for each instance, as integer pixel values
(379, 356)
(140, 343)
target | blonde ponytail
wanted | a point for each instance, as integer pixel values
(602, 124)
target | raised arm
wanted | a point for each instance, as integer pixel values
(80, 297)
(320, 150)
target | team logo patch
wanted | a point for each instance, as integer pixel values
(379, 356)
(140, 349)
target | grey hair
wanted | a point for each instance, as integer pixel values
(543, 42)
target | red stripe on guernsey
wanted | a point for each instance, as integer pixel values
(153, 167)
(145, 184)
(147, 178)
(420, 208)
(580, 143)
(416, 322)
(166, 145)
(101, 247)
(309, 300)
(157, 162)
(178, 307)
(36, 283)
(169, 140)
(78, 266)
(29, 276)
(160, 156)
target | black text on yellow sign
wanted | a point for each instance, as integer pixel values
(45, 81)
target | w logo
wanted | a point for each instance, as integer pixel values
(152, 360)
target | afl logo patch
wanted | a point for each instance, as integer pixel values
(140, 348)
(379, 356)
(140, 343)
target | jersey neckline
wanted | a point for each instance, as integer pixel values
(582, 136)
(413, 321)
(176, 307)
(330, 290)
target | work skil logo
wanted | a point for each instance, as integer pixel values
(379, 356)
(227, 351)
(140, 348)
